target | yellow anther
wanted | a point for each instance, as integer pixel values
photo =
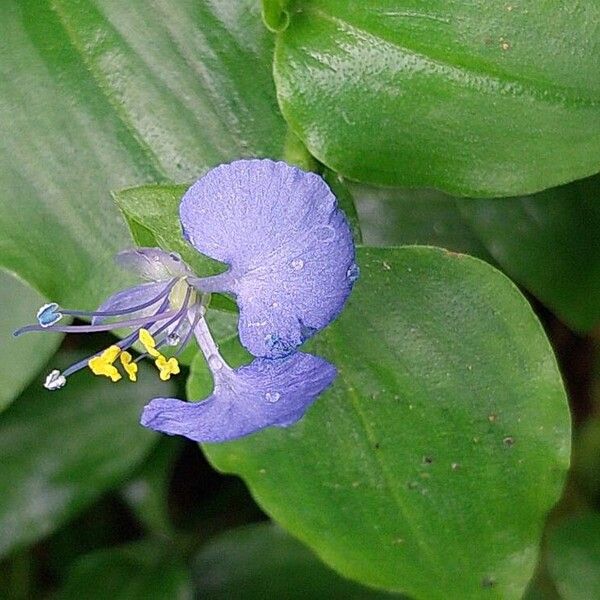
(130, 367)
(148, 342)
(103, 363)
(167, 367)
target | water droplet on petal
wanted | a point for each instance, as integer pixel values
(173, 339)
(325, 234)
(272, 397)
(352, 273)
(297, 264)
(215, 363)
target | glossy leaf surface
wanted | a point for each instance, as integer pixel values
(481, 98)
(549, 243)
(436, 416)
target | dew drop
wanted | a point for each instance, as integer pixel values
(297, 264)
(215, 363)
(272, 397)
(173, 339)
(325, 234)
(352, 273)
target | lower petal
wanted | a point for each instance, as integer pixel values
(265, 393)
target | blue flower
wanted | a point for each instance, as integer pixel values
(291, 268)
(288, 245)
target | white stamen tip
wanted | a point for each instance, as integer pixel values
(55, 380)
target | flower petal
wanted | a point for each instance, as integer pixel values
(289, 247)
(153, 264)
(265, 393)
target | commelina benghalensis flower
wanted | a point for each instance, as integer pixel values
(291, 263)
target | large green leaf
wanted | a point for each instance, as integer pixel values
(142, 571)
(98, 95)
(431, 463)
(261, 562)
(480, 98)
(574, 557)
(20, 358)
(61, 449)
(547, 242)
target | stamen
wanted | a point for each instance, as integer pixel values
(180, 316)
(124, 311)
(188, 336)
(55, 380)
(103, 364)
(48, 314)
(96, 328)
(149, 343)
(130, 367)
(167, 367)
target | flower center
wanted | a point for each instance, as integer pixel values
(162, 319)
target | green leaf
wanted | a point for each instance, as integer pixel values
(141, 571)
(156, 209)
(261, 561)
(60, 450)
(274, 15)
(574, 557)
(549, 243)
(486, 98)
(430, 465)
(98, 96)
(20, 358)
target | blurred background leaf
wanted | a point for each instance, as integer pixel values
(148, 489)
(484, 98)
(574, 557)
(547, 242)
(61, 450)
(261, 561)
(100, 95)
(141, 571)
(20, 358)
(434, 419)
(400, 216)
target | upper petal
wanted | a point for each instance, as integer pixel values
(289, 246)
(262, 394)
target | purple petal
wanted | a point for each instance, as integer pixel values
(265, 393)
(130, 298)
(153, 264)
(289, 247)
